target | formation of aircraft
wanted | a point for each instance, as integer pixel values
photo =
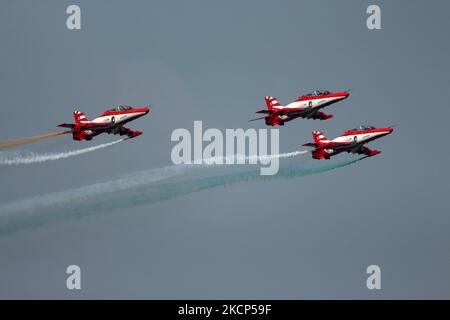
(306, 106)
(110, 121)
(351, 141)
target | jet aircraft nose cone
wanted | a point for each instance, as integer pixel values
(342, 95)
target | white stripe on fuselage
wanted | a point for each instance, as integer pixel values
(313, 104)
(359, 137)
(118, 118)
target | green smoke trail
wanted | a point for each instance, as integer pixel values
(152, 193)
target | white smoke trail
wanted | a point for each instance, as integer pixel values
(139, 196)
(249, 159)
(9, 158)
(118, 184)
(121, 183)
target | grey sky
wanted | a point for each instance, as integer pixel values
(310, 237)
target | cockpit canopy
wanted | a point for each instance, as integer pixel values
(364, 127)
(317, 93)
(121, 108)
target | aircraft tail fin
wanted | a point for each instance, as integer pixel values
(319, 138)
(320, 143)
(272, 102)
(79, 117)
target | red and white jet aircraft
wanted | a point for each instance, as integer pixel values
(351, 141)
(307, 106)
(110, 121)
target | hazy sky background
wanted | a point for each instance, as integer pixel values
(310, 237)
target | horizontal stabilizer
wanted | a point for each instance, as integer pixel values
(260, 118)
(310, 144)
(67, 125)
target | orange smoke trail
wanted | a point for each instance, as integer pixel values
(21, 141)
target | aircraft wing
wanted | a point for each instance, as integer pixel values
(307, 113)
(130, 133)
(321, 116)
(344, 147)
(364, 150)
(350, 147)
(86, 126)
